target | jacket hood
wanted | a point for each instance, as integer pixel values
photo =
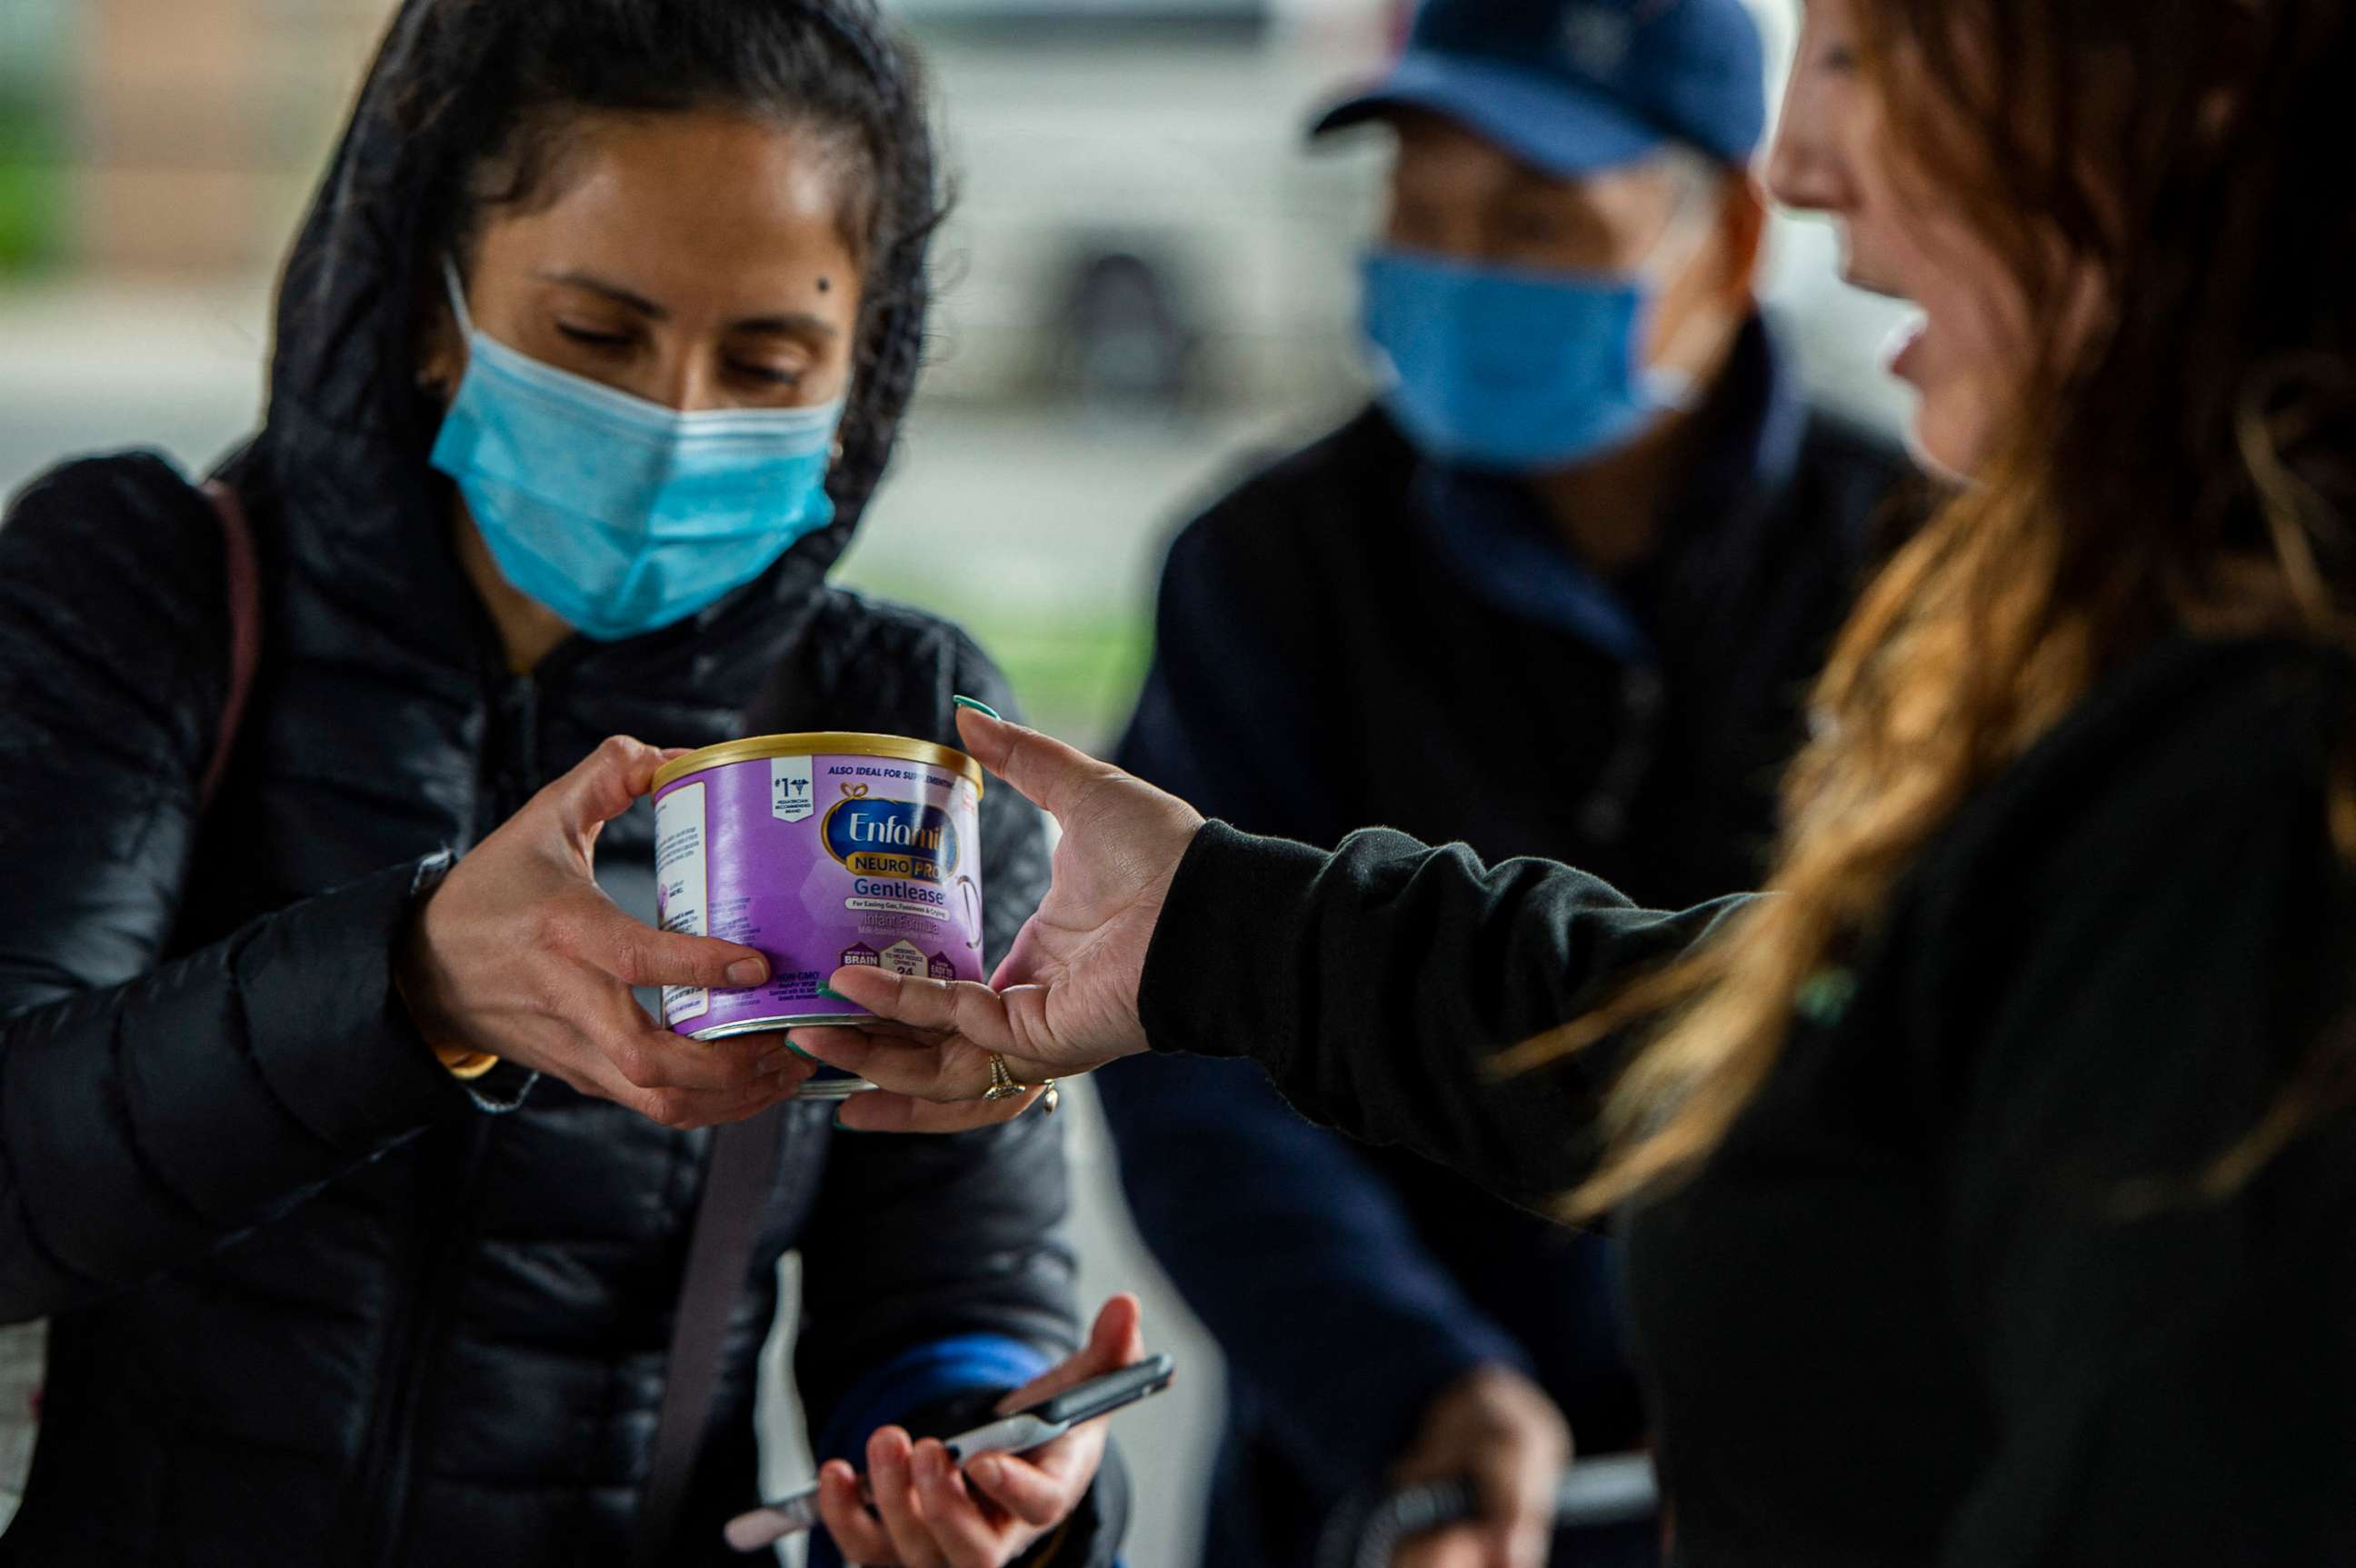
(345, 442)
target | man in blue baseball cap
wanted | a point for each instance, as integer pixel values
(1559, 590)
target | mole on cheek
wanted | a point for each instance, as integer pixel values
(826, 285)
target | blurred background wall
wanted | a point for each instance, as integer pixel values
(1149, 279)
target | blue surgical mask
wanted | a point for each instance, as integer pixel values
(621, 515)
(1513, 372)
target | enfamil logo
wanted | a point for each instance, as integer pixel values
(892, 838)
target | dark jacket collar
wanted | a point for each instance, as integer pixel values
(1492, 533)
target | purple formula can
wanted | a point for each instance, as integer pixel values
(821, 851)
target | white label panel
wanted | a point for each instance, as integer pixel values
(682, 888)
(792, 795)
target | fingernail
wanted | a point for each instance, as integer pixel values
(977, 706)
(747, 972)
(801, 1053)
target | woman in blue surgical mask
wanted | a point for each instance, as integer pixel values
(353, 1185)
(645, 393)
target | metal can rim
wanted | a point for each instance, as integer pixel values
(821, 743)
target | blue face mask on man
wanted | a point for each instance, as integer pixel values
(620, 515)
(1513, 371)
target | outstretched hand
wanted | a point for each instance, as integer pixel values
(1064, 1001)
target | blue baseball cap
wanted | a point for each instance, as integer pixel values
(1574, 87)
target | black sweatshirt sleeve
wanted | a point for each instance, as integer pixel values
(1373, 984)
(153, 1111)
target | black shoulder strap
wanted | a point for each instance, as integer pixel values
(735, 1196)
(243, 575)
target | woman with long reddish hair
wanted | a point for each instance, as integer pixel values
(1990, 1182)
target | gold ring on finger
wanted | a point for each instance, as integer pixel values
(1004, 1085)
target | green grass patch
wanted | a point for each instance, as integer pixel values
(32, 184)
(30, 202)
(1078, 677)
(1076, 669)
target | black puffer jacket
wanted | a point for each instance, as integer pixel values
(314, 1301)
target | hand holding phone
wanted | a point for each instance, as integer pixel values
(1025, 1430)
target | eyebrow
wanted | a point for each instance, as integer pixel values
(799, 324)
(792, 324)
(613, 290)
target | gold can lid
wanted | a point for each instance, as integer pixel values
(824, 742)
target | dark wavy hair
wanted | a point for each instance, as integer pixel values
(501, 85)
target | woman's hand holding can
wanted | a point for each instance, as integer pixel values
(520, 955)
(1064, 1001)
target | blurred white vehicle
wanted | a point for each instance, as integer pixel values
(1138, 221)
